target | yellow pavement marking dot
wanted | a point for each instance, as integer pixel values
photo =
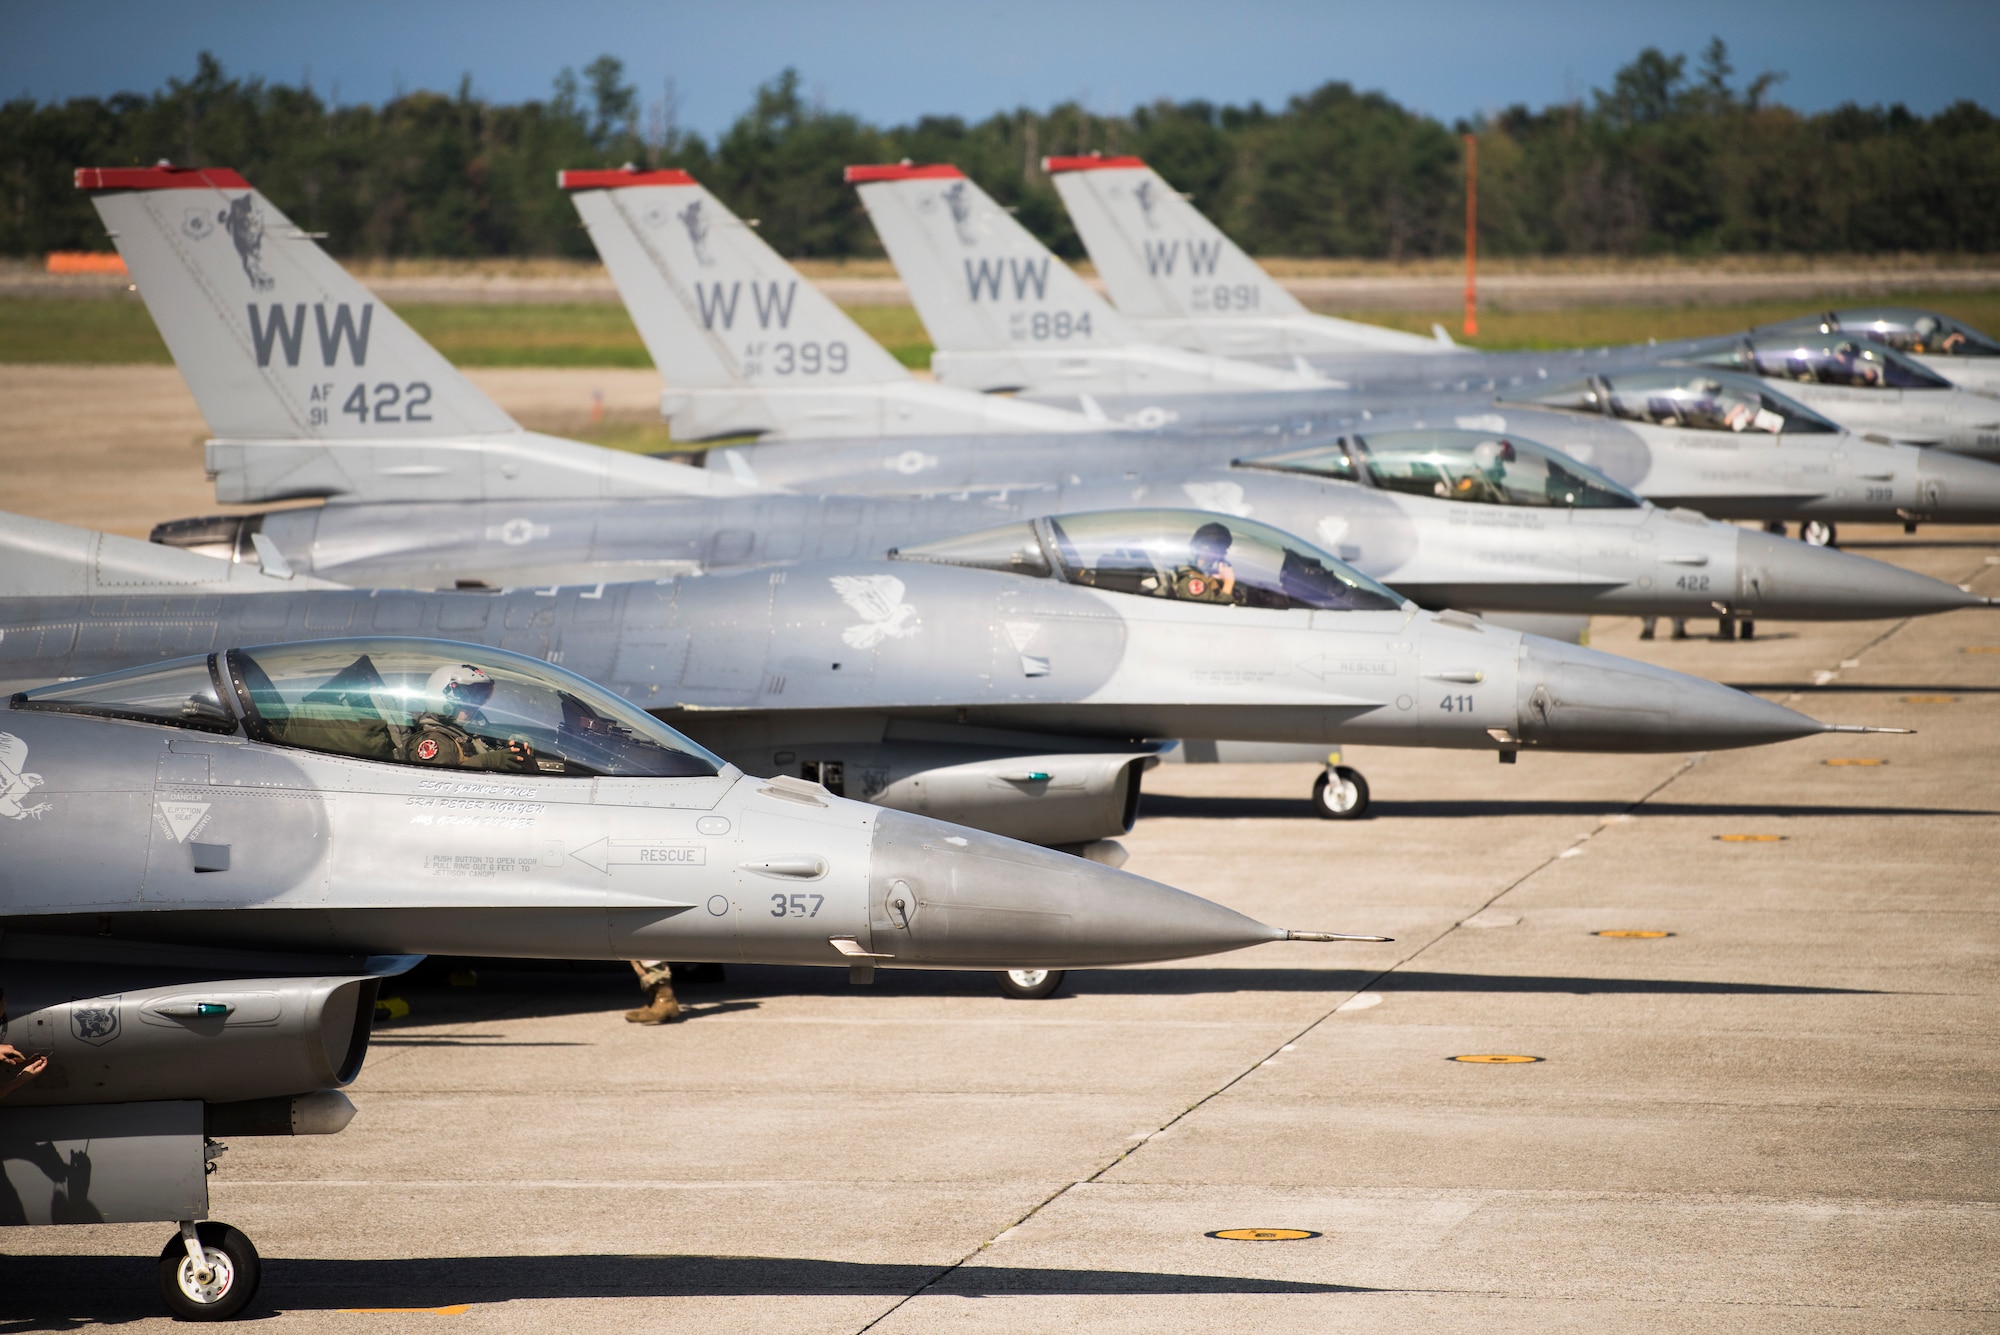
(1855, 760)
(1494, 1058)
(1753, 838)
(1981, 649)
(1631, 934)
(1262, 1234)
(1930, 699)
(457, 1309)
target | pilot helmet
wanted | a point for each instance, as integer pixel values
(1211, 541)
(460, 685)
(1488, 453)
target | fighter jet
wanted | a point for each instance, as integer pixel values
(1955, 350)
(1181, 281)
(311, 386)
(1014, 679)
(1480, 521)
(1866, 386)
(1005, 314)
(993, 335)
(1404, 521)
(211, 862)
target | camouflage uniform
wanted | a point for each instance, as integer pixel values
(441, 741)
(1194, 585)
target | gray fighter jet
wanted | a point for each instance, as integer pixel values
(1013, 678)
(1866, 386)
(1480, 521)
(688, 303)
(686, 299)
(1955, 350)
(211, 863)
(1593, 551)
(1003, 317)
(1181, 281)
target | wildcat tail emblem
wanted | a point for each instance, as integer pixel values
(697, 230)
(961, 211)
(878, 599)
(246, 228)
(16, 783)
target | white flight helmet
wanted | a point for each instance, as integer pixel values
(459, 686)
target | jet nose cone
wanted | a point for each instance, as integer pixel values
(1782, 579)
(1576, 699)
(1958, 489)
(943, 896)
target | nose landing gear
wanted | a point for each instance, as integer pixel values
(1340, 793)
(1029, 984)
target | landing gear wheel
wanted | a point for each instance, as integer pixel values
(1775, 527)
(1029, 984)
(1340, 794)
(1819, 533)
(224, 1288)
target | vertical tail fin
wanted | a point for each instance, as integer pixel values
(1158, 256)
(717, 307)
(744, 342)
(980, 280)
(276, 340)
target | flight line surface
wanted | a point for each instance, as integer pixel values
(1778, 1116)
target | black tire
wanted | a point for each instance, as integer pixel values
(1029, 984)
(1819, 533)
(238, 1271)
(1347, 800)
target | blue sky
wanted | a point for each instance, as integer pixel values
(892, 60)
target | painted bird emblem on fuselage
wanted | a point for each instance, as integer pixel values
(878, 600)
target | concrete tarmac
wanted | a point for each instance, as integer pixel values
(1780, 1117)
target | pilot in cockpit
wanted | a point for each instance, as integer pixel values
(451, 732)
(1208, 577)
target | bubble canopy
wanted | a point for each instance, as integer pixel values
(1908, 329)
(1695, 398)
(403, 701)
(1183, 555)
(1475, 467)
(1821, 359)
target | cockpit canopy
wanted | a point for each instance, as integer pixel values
(403, 701)
(1696, 399)
(1474, 466)
(1820, 359)
(1909, 329)
(1186, 555)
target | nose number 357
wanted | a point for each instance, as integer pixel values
(794, 906)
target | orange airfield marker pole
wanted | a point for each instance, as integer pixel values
(1471, 236)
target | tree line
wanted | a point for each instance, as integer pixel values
(1669, 159)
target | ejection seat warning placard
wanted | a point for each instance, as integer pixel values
(464, 866)
(608, 853)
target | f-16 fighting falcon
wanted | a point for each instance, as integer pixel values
(1181, 281)
(226, 853)
(1547, 536)
(1865, 385)
(1013, 679)
(1955, 350)
(987, 333)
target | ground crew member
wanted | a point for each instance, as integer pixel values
(448, 734)
(17, 1068)
(656, 979)
(1207, 578)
